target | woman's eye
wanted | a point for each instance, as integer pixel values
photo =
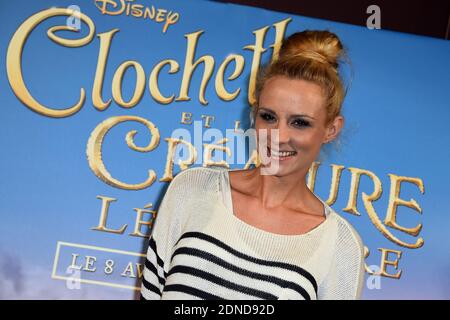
(266, 116)
(301, 123)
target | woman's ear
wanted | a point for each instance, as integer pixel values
(334, 128)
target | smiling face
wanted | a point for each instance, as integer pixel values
(297, 109)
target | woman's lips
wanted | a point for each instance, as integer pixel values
(280, 158)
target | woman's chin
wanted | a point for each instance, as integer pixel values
(275, 168)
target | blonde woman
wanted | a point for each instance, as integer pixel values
(243, 234)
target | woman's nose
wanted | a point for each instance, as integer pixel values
(282, 133)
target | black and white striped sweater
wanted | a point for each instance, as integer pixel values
(199, 249)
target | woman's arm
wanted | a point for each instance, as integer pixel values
(345, 278)
(165, 232)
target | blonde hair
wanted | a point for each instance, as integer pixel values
(311, 55)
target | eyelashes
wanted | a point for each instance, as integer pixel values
(266, 116)
(302, 123)
(299, 122)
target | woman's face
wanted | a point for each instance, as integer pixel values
(297, 109)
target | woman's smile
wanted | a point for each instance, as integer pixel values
(281, 155)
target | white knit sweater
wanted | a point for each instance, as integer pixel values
(199, 249)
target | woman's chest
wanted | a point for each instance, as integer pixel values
(280, 221)
(204, 264)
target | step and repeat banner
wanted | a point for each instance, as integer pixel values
(103, 102)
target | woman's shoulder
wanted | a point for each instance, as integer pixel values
(197, 178)
(200, 171)
(347, 235)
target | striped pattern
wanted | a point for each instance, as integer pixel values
(203, 267)
(153, 279)
(199, 250)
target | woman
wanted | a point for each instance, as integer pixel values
(250, 234)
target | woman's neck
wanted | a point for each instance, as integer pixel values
(281, 191)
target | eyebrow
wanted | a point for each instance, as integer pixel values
(292, 115)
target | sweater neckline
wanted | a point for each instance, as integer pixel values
(229, 209)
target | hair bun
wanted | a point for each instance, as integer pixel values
(319, 45)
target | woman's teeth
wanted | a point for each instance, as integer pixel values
(281, 153)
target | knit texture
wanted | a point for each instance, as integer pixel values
(199, 249)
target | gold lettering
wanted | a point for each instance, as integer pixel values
(395, 201)
(312, 174)
(207, 121)
(220, 86)
(14, 55)
(139, 269)
(208, 150)
(140, 222)
(186, 118)
(160, 15)
(368, 200)
(89, 264)
(172, 18)
(117, 84)
(237, 125)
(385, 262)
(280, 30)
(136, 10)
(366, 255)
(354, 186)
(183, 164)
(104, 217)
(253, 159)
(153, 82)
(94, 150)
(190, 66)
(257, 48)
(335, 181)
(129, 271)
(104, 10)
(105, 43)
(73, 264)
